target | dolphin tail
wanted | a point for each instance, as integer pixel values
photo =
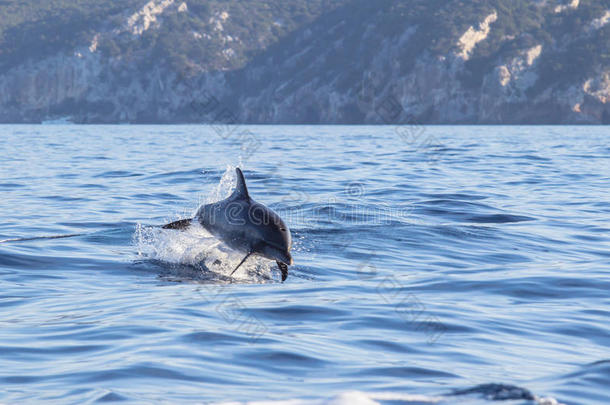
(179, 225)
(284, 269)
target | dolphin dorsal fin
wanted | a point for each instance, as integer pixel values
(241, 191)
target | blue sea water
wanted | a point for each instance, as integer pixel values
(432, 265)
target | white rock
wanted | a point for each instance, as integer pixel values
(504, 75)
(473, 36)
(601, 21)
(141, 20)
(217, 19)
(599, 87)
(94, 43)
(573, 5)
(532, 54)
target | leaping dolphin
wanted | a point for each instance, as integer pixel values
(246, 226)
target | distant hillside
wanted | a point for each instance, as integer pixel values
(305, 61)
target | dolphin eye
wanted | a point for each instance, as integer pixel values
(282, 229)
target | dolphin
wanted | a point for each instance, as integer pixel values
(245, 226)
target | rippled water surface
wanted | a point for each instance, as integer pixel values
(423, 273)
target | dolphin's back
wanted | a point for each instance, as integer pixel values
(227, 220)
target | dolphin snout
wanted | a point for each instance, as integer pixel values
(281, 255)
(284, 257)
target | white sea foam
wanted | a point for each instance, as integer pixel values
(351, 398)
(379, 398)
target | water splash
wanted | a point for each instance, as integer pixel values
(224, 188)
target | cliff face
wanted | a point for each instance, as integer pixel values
(387, 79)
(342, 62)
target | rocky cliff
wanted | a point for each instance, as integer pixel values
(344, 61)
